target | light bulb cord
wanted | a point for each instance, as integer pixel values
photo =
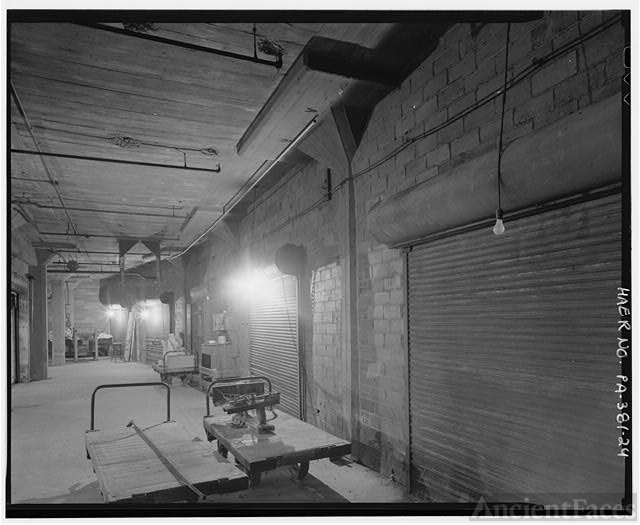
(504, 98)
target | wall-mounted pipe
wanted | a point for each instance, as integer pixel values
(113, 161)
(248, 187)
(277, 63)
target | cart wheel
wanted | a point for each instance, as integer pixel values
(254, 478)
(186, 379)
(222, 450)
(209, 437)
(303, 470)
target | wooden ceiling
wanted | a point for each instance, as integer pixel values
(92, 93)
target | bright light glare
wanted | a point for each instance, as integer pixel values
(112, 309)
(253, 285)
(144, 314)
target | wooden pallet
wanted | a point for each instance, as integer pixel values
(129, 470)
(292, 442)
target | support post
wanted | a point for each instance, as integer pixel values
(95, 345)
(57, 322)
(38, 340)
(351, 403)
(75, 345)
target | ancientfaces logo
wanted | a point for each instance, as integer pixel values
(568, 506)
(576, 506)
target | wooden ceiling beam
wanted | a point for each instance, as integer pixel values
(316, 80)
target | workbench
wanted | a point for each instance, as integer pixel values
(158, 463)
(293, 442)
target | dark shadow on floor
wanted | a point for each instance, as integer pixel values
(277, 486)
(78, 493)
(282, 486)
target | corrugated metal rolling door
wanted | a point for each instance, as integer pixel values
(512, 344)
(273, 341)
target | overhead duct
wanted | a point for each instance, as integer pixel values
(140, 284)
(291, 259)
(579, 153)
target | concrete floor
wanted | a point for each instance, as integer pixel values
(49, 419)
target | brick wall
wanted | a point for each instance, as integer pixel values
(290, 212)
(467, 65)
(328, 350)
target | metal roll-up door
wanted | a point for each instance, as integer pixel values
(512, 356)
(273, 340)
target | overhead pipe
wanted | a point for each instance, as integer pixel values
(107, 236)
(188, 218)
(84, 263)
(40, 181)
(277, 63)
(248, 187)
(23, 114)
(81, 271)
(74, 251)
(99, 210)
(113, 161)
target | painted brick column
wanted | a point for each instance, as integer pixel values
(38, 353)
(57, 321)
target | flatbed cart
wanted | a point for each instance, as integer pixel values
(156, 464)
(175, 363)
(291, 442)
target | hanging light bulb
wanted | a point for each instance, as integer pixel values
(498, 229)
